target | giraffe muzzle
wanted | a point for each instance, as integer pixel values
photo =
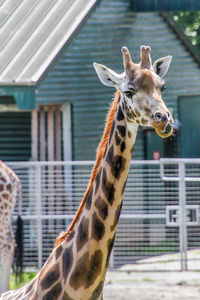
(166, 132)
(163, 124)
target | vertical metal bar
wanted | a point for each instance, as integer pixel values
(51, 157)
(34, 134)
(42, 130)
(58, 156)
(58, 140)
(39, 212)
(67, 155)
(182, 217)
(50, 121)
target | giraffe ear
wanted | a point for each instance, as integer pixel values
(161, 65)
(107, 76)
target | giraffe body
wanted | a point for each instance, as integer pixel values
(76, 268)
(9, 186)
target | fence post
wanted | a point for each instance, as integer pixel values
(39, 219)
(182, 217)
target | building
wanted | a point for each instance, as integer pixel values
(52, 105)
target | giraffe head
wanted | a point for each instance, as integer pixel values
(141, 86)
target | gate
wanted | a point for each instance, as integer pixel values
(159, 224)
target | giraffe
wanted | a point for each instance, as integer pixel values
(76, 267)
(10, 184)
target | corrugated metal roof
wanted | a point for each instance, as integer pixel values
(32, 33)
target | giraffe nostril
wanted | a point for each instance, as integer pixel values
(168, 128)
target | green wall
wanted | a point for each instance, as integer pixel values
(190, 126)
(15, 133)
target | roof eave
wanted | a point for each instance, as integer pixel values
(18, 83)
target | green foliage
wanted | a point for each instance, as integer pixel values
(146, 279)
(162, 248)
(190, 22)
(26, 278)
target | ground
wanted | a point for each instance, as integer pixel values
(128, 285)
(156, 278)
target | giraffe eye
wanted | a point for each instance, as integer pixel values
(162, 88)
(130, 94)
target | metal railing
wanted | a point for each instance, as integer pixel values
(159, 224)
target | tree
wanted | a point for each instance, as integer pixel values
(190, 21)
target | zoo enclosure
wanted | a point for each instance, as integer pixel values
(159, 224)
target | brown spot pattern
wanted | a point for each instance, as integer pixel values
(118, 166)
(70, 236)
(54, 293)
(147, 111)
(95, 268)
(86, 270)
(50, 277)
(58, 251)
(67, 260)
(144, 122)
(89, 200)
(9, 187)
(137, 112)
(82, 235)
(117, 138)
(98, 228)
(123, 146)
(97, 180)
(78, 275)
(97, 292)
(5, 196)
(108, 188)
(102, 208)
(129, 134)
(110, 155)
(122, 130)
(120, 115)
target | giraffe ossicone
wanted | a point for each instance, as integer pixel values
(76, 268)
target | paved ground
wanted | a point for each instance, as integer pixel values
(128, 285)
(138, 282)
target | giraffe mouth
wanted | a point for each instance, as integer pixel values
(166, 132)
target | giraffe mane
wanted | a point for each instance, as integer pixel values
(100, 152)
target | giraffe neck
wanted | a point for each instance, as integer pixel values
(84, 255)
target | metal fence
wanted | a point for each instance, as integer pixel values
(159, 225)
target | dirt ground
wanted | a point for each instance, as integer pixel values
(138, 281)
(131, 285)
